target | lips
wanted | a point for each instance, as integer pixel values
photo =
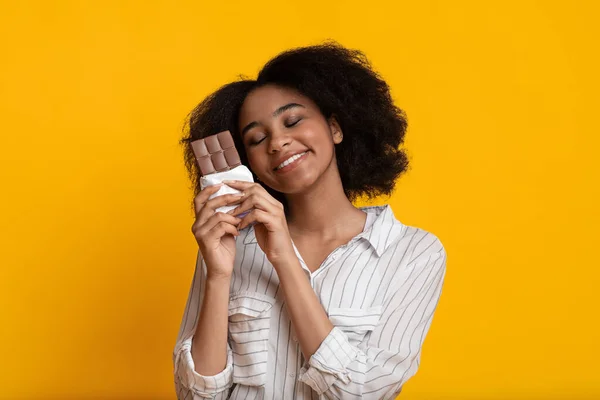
(287, 156)
(293, 165)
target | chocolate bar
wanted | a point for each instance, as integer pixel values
(216, 153)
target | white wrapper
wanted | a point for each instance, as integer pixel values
(239, 173)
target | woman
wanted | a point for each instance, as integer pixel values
(306, 296)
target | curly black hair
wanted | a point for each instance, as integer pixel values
(343, 84)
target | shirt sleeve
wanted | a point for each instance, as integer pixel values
(380, 364)
(188, 383)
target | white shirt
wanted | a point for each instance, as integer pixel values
(380, 291)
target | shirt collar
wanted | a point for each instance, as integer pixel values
(380, 234)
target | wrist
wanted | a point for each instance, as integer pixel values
(218, 279)
(287, 261)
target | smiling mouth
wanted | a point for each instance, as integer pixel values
(292, 165)
(296, 157)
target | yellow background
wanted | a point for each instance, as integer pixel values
(97, 252)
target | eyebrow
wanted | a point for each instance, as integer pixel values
(275, 114)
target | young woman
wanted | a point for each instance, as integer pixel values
(306, 296)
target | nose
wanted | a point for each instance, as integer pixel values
(277, 141)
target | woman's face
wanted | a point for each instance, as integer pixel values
(277, 123)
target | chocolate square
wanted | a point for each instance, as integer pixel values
(216, 153)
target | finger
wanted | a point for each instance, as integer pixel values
(215, 220)
(248, 187)
(266, 195)
(256, 201)
(212, 205)
(251, 187)
(218, 217)
(242, 185)
(224, 200)
(209, 210)
(203, 196)
(222, 228)
(257, 216)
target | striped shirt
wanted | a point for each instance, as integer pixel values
(380, 291)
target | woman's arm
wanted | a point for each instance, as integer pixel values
(209, 344)
(376, 368)
(202, 358)
(379, 366)
(311, 323)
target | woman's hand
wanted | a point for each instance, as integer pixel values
(215, 231)
(270, 227)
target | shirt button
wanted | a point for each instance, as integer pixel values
(292, 374)
(295, 339)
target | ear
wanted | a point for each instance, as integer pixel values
(336, 130)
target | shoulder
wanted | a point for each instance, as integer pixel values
(415, 248)
(405, 241)
(418, 261)
(419, 243)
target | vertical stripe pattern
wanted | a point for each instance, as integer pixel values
(380, 291)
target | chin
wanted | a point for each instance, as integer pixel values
(295, 185)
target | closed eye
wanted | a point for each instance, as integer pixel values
(255, 143)
(292, 123)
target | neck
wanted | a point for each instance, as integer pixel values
(323, 211)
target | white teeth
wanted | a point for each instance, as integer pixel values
(290, 160)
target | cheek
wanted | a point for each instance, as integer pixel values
(256, 161)
(318, 133)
